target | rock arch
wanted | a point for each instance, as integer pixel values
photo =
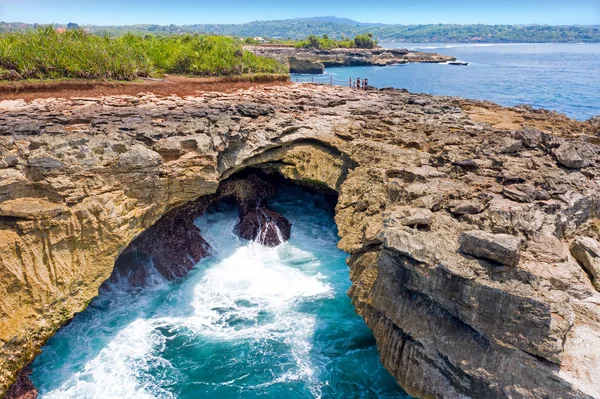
(83, 178)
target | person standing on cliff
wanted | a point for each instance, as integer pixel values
(365, 84)
(358, 83)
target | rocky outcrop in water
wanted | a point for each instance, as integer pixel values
(257, 222)
(471, 228)
(173, 245)
(314, 61)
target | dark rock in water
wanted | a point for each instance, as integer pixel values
(257, 222)
(177, 247)
(133, 268)
(23, 387)
(263, 225)
(173, 244)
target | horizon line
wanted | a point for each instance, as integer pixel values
(375, 24)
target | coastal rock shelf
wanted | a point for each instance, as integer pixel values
(472, 229)
(312, 61)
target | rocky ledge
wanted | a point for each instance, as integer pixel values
(312, 61)
(472, 229)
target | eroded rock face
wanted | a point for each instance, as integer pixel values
(23, 388)
(173, 245)
(81, 180)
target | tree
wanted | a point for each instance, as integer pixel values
(72, 25)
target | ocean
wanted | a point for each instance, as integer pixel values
(559, 77)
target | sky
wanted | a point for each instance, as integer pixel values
(184, 12)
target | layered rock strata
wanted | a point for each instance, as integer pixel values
(313, 61)
(471, 228)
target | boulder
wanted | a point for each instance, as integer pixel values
(587, 252)
(254, 110)
(139, 157)
(302, 65)
(510, 146)
(466, 207)
(569, 156)
(501, 248)
(417, 217)
(519, 192)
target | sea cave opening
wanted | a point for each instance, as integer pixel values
(218, 300)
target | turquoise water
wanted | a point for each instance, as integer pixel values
(249, 322)
(559, 77)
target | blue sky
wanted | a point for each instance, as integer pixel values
(120, 12)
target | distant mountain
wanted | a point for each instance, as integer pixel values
(342, 27)
(336, 20)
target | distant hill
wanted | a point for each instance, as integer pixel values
(336, 20)
(342, 27)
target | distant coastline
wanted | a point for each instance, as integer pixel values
(339, 27)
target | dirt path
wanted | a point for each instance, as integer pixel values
(178, 85)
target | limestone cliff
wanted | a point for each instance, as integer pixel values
(472, 229)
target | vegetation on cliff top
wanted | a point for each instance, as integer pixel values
(47, 54)
(325, 43)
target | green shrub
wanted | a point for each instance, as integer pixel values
(325, 43)
(46, 54)
(365, 41)
(318, 43)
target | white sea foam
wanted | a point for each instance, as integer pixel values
(114, 372)
(250, 281)
(254, 282)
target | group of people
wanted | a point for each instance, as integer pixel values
(359, 84)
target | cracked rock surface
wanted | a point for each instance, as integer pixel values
(513, 314)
